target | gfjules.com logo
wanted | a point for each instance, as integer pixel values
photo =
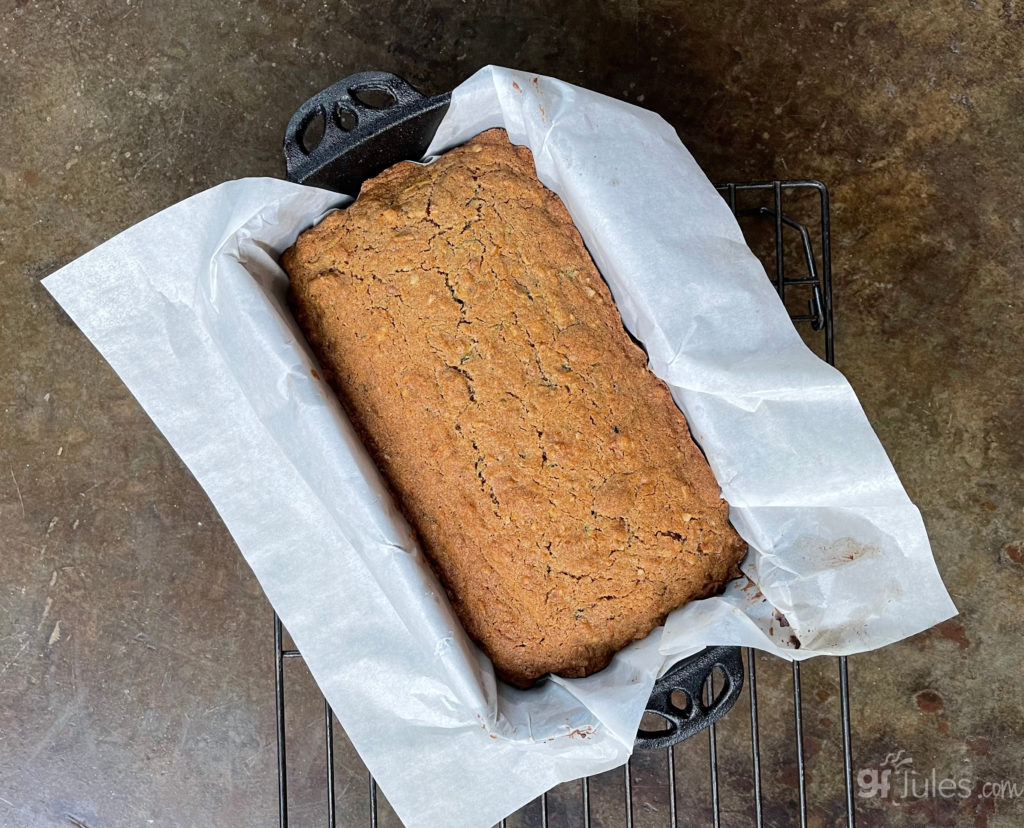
(897, 778)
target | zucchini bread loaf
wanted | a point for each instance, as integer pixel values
(549, 475)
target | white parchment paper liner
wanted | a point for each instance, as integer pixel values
(188, 307)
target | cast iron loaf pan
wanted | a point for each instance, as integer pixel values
(370, 121)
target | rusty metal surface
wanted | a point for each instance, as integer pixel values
(133, 657)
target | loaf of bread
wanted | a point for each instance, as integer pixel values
(550, 476)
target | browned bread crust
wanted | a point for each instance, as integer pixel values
(550, 476)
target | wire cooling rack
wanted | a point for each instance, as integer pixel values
(786, 759)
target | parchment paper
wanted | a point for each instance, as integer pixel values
(188, 307)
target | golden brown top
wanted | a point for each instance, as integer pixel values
(549, 474)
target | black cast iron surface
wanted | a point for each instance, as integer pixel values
(680, 697)
(365, 123)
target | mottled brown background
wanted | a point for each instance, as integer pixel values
(135, 683)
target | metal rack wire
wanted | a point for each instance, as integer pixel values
(787, 225)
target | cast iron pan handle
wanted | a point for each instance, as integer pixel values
(371, 120)
(689, 676)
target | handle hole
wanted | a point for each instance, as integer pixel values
(345, 118)
(654, 725)
(680, 701)
(312, 132)
(373, 96)
(716, 686)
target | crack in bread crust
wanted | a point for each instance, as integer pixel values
(550, 476)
